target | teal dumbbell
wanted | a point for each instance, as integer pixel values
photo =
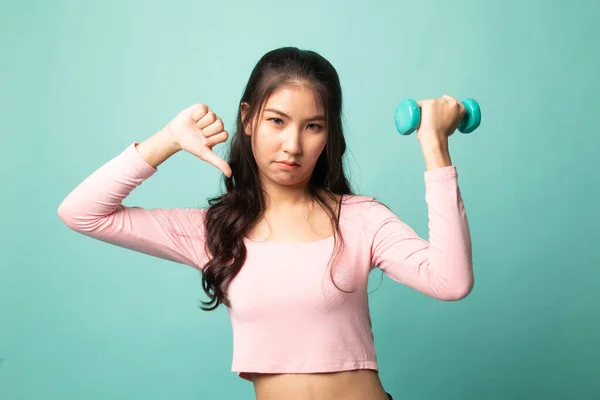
(408, 116)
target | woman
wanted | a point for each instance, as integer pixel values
(288, 248)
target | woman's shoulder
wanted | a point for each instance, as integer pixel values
(364, 207)
(361, 201)
(357, 199)
(363, 213)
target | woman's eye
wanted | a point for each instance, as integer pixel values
(279, 121)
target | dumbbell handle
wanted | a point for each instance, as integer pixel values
(408, 116)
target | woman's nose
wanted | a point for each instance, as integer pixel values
(291, 141)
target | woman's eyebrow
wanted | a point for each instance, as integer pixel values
(315, 118)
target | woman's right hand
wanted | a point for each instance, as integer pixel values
(196, 130)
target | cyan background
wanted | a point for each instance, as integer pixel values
(81, 80)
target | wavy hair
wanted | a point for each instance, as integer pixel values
(230, 216)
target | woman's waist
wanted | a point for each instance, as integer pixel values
(359, 384)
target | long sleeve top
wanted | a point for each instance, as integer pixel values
(287, 315)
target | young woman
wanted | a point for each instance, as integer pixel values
(288, 248)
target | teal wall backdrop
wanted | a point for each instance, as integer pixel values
(81, 80)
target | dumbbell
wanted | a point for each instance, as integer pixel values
(408, 116)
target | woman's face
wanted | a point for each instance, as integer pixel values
(291, 128)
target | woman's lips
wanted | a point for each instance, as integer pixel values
(286, 165)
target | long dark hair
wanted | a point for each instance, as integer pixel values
(230, 216)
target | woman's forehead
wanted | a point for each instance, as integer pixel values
(295, 101)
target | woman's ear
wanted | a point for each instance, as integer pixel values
(244, 110)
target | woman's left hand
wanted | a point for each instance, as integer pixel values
(439, 119)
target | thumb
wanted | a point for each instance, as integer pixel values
(197, 147)
(212, 158)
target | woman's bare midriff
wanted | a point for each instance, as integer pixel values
(361, 384)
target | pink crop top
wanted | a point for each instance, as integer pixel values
(286, 314)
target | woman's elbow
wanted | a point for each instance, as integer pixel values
(458, 291)
(75, 219)
(65, 215)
